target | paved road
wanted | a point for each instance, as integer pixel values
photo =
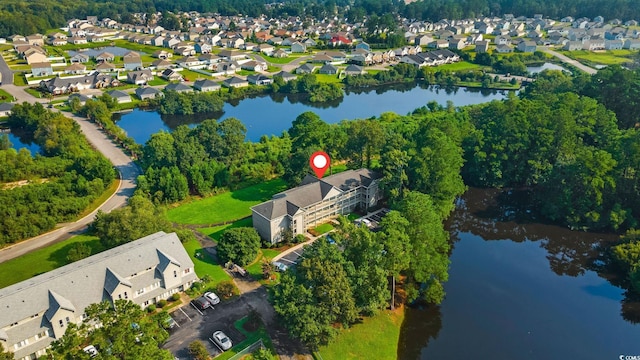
(7, 74)
(128, 170)
(569, 61)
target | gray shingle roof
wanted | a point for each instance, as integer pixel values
(313, 190)
(79, 284)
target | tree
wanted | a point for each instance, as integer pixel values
(239, 245)
(397, 247)
(262, 354)
(198, 351)
(308, 130)
(125, 333)
(429, 244)
(139, 219)
(79, 251)
(6, 355)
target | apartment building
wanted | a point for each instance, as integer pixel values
(37, 311)
(315, 201)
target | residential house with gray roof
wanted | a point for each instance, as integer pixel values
(37, 311)
(315, 202)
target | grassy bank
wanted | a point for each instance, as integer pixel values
(375, 338)
(227, 206)
(43, 260)
(204, 263)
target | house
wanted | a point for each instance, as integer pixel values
(266, 49)
(363, 45)
(178, 87)
(254, 65)
(144, 93)
(328, 69)
(162, 54)
(202, 48)
(161, 64)
(105, 67)
(157, 41)
(572, 45)
(58, 85)
(353, 70)
(76, 68)
(82, 99)
(298, 47)
(286, 76)
(280, 54)
(315, 202)
(58, 42)
(527, 46)
(189, 61)
(41, 69)
(436, 44)
(613, 44)
(307, 68)
(457, 44)
(5, 109)
(120, 96)
(132, 61)
(79, 58)
(259, 79)
(36, 40)
(206, 85)
(231, 55)
(171, 75)
(139, 77)
(170, 42)
(76, 40)
(482, 47)
(105, 56)
(38, 311)
(632, 44)
(235, 81)
(502, 40)
(35, 57)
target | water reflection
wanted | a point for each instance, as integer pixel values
(522, 289)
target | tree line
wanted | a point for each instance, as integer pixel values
(65, 177)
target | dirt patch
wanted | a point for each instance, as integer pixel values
(16, 184)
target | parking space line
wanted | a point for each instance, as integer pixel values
(214, 343)
(185, 314)
(297, 253)
(198, 310)
(285, 259)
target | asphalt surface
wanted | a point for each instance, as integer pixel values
(194, 324)
(127, 169)
(7, 74)
(569, 61)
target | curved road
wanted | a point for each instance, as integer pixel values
(128, 170)
(569, 61)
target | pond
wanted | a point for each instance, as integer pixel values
(17, 143)
(272, 114)
(521, 290)
(546, 66)
(115, 50)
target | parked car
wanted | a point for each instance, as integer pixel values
(201, 303)
(91, 350)
(222, 340)
(212, 297)
(280, 266)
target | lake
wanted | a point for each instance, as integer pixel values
(272, 114)
(546, 66)
(521, 290)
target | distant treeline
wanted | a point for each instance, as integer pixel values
(19, 17)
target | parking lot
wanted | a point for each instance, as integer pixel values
(195, 324)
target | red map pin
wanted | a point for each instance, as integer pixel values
(319, 162)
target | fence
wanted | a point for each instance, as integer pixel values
(249, 349)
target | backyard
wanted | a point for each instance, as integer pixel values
(609, 57)
(225, 207)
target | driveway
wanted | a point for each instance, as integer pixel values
(7, 74)
(569, 61)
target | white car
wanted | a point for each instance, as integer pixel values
(213, 298)
(91, 350)
(280, 266)
(222, 340)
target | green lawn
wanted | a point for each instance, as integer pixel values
(284, 60)
(227, 206)
(34, 92)
(137, 47)
(245, 72)
(323, 229)
(43, 260)
(19, 79)
(203, 262)
(216, 231)
(255, 268)
(325, 78)
(5, 96)
(459, 66)
(611, 57)
(380, 332)
(158, 81)
(251, 337)
(192, 75)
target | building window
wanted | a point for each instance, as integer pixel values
(126, 296)
(175, 274)
(140, 292)
(187, 270)
(67, 319)
(119, 296)
(61, 323)
(21, 344)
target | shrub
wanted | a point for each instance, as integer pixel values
(239, 245)
(226, 289)
(162, 303)
(198, 351)
(175, 297)
(299, 239)
(151, 308)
